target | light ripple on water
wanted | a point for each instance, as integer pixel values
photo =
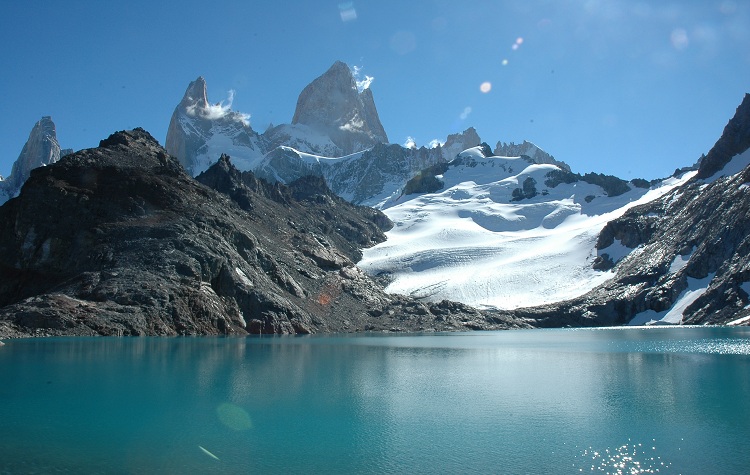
(729, 346)
(503, 402)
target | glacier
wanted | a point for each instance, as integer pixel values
(472, 243)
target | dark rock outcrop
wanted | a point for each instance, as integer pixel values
(426, 181)
(120, 240)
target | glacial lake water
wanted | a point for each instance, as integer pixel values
(635, 400)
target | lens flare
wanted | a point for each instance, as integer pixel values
(403, 42)
(347, 11)
(485, 87)
(679, 38)
(234, 417)
(504, 62)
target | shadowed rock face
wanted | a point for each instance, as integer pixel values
(734, 140)
(120, 240)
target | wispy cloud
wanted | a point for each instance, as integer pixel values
(219, 110)
(434, 143)
(410, 142)
(362, 84)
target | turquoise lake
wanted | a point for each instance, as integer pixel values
(635, 400)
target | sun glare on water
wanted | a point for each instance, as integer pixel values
(628, 459)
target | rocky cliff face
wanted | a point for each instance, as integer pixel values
(529, 151)
(332, 106)
(734, 140)
(683, 258)
(40, 149)
(457, 143)
(145, 249)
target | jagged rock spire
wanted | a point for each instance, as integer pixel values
(195, 122)
(40, 149)
(195, 95)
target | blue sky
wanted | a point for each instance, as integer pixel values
(631, 88)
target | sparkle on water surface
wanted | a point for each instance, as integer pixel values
(630, 401)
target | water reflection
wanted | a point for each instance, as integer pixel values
(526, 401)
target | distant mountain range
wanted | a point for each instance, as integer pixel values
(509, 230)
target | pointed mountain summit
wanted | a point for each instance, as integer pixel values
(42, 148)
(332, 119)
(199, 132)
(195, 96)
(333, 106)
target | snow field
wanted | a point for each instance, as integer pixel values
(472, 244)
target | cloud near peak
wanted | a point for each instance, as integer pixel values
(362, 84)
(219, 110)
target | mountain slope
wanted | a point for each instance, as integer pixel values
(563, 249)
(683, 258)
(145, 249)
(367, 178)
(734, 140)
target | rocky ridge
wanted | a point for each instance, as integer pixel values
(145, 249)
(687, 252)
(734, 140)
(335, 133)
(530, 152)
(368, 178)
